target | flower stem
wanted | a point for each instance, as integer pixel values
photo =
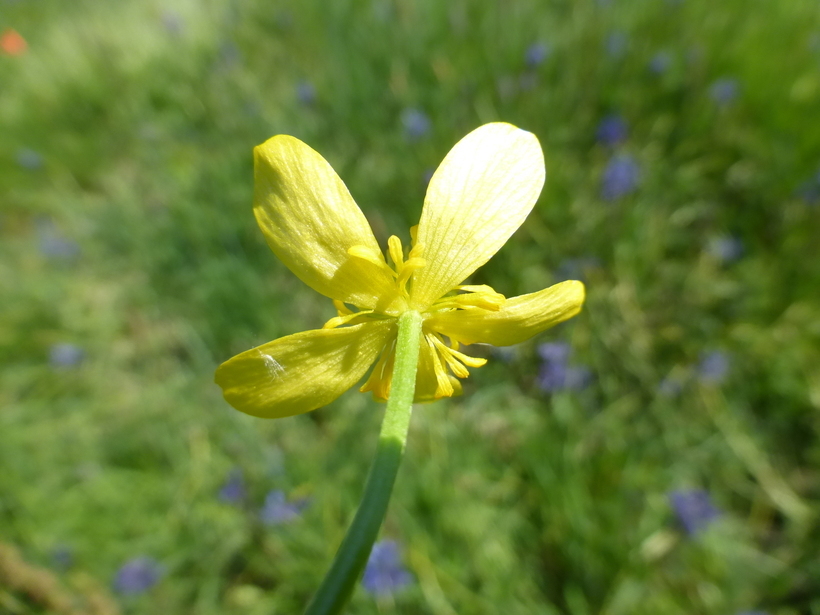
(352, 555)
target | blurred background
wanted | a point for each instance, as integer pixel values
(657, 454)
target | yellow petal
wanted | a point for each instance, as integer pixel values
(519, 318)
(482, 192)
(301, 372)
(310, 221)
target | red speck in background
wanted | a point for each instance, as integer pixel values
(12, 43)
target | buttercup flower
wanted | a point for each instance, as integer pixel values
(482, 192)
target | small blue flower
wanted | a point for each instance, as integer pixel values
(305, 93)
(233, 491)
(384, 572)
(620, 177)
(725, 248)
(670, 387)
(277, 510)
(612, 130)
(29, 159)
(556, 374)
(137, 575)
(809, 191)
(660, 62)
(536, 54)
(415, 123)
(694, 509)
(63, 356)
(554, 352)
(713, 367)
(724, 91)
(62, 556)
(616, 43)
(53, 244)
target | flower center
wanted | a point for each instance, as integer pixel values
(440, 362)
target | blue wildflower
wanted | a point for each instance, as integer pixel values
(62, 356)
(660, 62)
(713, 367)
(616, 43)
(809, 191)
(556, 373)
(62, 557)
(670, 387)
(233, 491)
(52, 244)
(725, 248)
(724, 90)
(611, 130)
(620, 177)
(305, 93)
(416, 124)
(384, 572)
(29, 159)
(137, 575)
(554, 352)
(536, 54)
(693, 508)
(277, 509)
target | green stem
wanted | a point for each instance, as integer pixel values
(352, 555)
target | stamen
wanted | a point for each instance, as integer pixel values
(396, 251)
(483, 297)
(444, 387)
(344, 319)
(341, 308)
(381, 378)
(414, 233)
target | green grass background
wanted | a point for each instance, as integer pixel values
(510, 500)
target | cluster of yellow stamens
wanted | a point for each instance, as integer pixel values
(441, 354)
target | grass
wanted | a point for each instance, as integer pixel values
(142, 117)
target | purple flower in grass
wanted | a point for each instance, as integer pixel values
(612, 130)
(384, 572)
(616, 43)
(137, 575)
(713, 367)
(536, 54)
(64, 356)
(416, 124)
(62, 557)
(660, 62)
(29, 159)
(724, 91)
(53, 244)
(554, 352)
(277, 510)
(556, 373)
(620, 177)
(233, 491)
(809, 191)
(694, 509)
(305, 93)
(725, 248)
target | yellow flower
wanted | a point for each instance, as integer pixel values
(478, 197)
